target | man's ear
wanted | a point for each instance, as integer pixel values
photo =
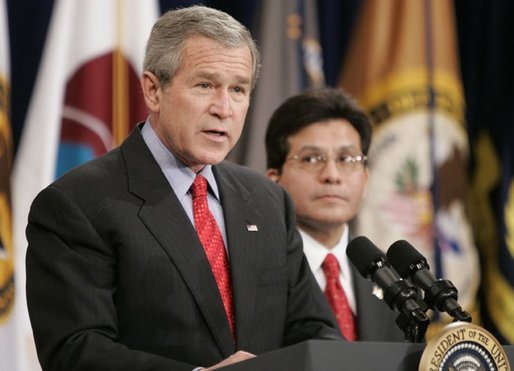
(151, 91)
(273, 174)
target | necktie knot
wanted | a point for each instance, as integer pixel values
(199, 187)
(330, 267)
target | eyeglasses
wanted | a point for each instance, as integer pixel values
(317, 161)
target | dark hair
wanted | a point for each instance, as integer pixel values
(304, 109)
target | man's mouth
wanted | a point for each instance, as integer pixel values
(216, 132)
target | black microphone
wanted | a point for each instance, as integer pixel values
(439, 294)
(399, 294)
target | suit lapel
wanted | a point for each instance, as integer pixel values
(241, 220)
(164, 216)
(370, 316)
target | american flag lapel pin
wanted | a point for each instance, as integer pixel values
(252, 228)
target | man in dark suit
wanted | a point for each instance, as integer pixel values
(117, 276)
(317, 144)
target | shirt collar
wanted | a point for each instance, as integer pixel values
(176, 172)
(316, 252)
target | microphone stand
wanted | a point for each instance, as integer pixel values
(414, 328)
(442, 295)
(412, 319)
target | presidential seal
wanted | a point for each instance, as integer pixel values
(462, 346)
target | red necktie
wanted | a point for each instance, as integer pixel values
(212, 242)
(337, 298)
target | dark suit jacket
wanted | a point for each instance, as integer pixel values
(118, 280)
(375, 320)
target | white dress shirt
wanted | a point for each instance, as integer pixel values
(316, 253)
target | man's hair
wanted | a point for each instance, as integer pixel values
(165, 47)
(309, 107)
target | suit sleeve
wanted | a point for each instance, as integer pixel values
(308, 314)
(71, 293)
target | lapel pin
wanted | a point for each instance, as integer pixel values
(251, 228)
(378, 292)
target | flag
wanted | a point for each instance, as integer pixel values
(85, 100)
(488, 64)
(493, 216)
(291, 61)
(402, 66)
(7, 285)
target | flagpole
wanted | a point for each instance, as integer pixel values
(434, 189)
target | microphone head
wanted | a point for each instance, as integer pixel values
(405, 258)
(364, 255)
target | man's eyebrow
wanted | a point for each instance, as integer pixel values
(311, 147)
(240, 79)
(243, 80)
(204, 75)
(315, 147)
(346, 147)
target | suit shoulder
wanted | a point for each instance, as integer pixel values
(106, 165)
(105, 173)
(248, 177)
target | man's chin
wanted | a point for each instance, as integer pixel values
(324, 220)
(212, 158)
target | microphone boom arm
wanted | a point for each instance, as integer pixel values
(402, 296)
(442, 294)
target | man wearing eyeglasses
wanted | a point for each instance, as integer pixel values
(317, 144)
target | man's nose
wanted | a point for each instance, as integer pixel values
(330, 172)
(221, 105)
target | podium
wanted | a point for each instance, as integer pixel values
(319, 355)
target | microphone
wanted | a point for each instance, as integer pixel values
(399, 294)
(439, 294)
